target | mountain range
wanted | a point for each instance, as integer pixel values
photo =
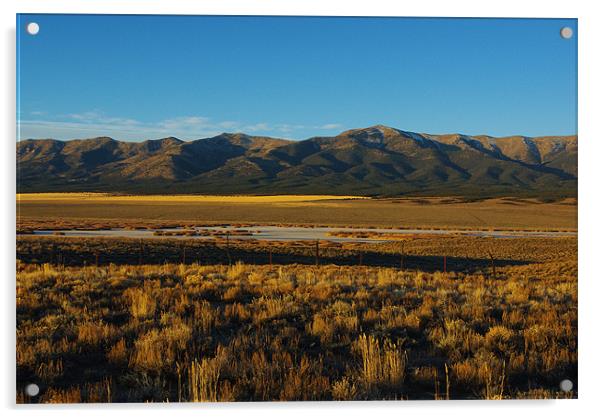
(375, 161)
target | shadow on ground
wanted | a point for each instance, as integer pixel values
(70, 252)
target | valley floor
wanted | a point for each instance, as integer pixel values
(512, 213)
(185, 319)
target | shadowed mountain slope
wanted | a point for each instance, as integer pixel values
(378, 160)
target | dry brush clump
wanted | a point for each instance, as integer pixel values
(175, 332)
(383, 364)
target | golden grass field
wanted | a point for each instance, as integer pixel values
(198, 329)
(507, 213)
(107, 197)
(168, 320)
(178, 332)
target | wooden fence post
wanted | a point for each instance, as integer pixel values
(402, 255)
(228, 248)
(317, 252)
(492, 263)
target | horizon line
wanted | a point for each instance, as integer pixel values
(291, 139)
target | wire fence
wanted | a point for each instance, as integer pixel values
(97, 252)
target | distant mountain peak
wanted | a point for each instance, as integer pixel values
(167, 140)
(367, 161)
(371, 130)
(378, 134)
(232, 135)
(100, 139)
(385, 129)
(172, 139)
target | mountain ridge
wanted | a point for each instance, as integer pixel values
(377, 160)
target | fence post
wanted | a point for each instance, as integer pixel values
(140, 253)
(317, 252)
(228, 248)
(492, 263)
(402, 255)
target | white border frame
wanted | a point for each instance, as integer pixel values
(590, 152)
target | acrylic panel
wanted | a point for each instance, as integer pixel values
(265, 208)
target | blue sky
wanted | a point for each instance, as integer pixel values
(145, 77)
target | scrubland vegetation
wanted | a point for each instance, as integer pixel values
(188, 319)
(424, 253)
(446, 213)
(196, 332)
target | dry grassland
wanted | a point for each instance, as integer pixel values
(506, 213)
(124, 320)
(113, 198)
(179, 332)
